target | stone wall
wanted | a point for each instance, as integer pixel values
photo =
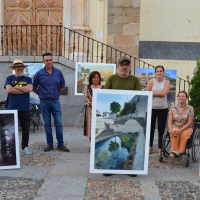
(123, 25)
(71, 105)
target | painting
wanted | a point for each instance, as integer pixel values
(30, 72)
(120, 131)
(83, 71)
(145, 75)
(9, 149)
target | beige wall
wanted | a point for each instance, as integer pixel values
(177, 20)
(1, 16)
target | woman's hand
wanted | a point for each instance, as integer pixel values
(175, 133)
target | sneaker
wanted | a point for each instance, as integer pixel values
(177, 153)
(26, 151)
(107, 174)
(172, 155)
(63, 148)
(132, 175)
(48, 148)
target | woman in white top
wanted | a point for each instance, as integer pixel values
(160, 88)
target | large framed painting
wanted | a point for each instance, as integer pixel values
(9, 154)
(83, 71)
(145, 75)
(120, 131)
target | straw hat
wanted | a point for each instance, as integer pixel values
(18, 62)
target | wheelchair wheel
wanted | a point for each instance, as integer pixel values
(187, 162)
(161, 158)
(196, 145)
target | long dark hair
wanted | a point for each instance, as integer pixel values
(92, 75)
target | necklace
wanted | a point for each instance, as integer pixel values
(95, 86)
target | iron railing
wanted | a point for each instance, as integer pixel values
(34, 40)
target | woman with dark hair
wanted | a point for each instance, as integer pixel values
(160, 88)
(94, 83)
(180, 124)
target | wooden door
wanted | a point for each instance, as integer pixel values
(49, 15)
(28, 38)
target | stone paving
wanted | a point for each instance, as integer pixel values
(65, 176)
(19, 188)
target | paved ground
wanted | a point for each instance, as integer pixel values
(65, 176)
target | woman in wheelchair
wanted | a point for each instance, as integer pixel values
(180, 124)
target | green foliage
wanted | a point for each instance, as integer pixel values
(126, 142)
(194, 93)
(115, 107)
(113, 146)
(128, 108)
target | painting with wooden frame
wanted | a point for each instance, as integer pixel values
(120, 131)
(9, 154)
(83, 71)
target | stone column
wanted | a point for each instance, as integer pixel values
(123, 25)
(80, 16)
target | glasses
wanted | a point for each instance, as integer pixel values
(124, 65)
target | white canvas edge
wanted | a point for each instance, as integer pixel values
(76, 66)
(149, 110)
(16, 139)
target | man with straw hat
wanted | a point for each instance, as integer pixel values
(18, 88)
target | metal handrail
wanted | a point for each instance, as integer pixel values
(34, 40)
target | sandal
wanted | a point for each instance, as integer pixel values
(150, 150)
(159, 152)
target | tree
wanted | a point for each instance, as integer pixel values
(129, 107)
(115, 107)
(194, 92)
(113, 146)
(126, 142)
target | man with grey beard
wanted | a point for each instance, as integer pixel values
(18, 88)
(123, 80)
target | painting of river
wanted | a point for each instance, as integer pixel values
(120, 131)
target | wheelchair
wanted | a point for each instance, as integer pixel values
(35, 116)
(192, 148)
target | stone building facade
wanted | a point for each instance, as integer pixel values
(124, 25)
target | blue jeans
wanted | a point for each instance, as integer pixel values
(49, 107)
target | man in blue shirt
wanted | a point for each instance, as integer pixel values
(18, 88)
(48, 83)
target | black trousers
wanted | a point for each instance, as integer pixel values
(24, 119)
(161, 115)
